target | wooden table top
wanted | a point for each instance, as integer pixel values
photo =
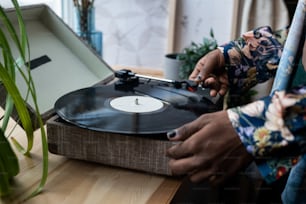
(74, 181)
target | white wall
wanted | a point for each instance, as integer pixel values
(136, 31)
(195, 18)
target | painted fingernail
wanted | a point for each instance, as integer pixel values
(171, 134)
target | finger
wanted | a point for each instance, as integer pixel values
(217, 85)
(207, 69)
(223, 89)
(212, 63)
(224, 79)
(203, 68)
(212, 82)
(195, 73)
(205, 172)
(213, 92)
(223, 85)
(214, 85)
(182, 150)
(189, 146)
(183, 132)
(201, 175)
(183, 166)
(178, 151)
(185, 148)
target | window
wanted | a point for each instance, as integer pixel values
(56, 5)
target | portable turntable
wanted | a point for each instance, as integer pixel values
(96, 123)
(125, 123)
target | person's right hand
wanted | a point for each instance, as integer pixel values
(207, 148)
(210, 72)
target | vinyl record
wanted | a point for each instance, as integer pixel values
(104, 109)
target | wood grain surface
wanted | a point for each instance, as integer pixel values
(80, 182)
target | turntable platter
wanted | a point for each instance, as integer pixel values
(101, 108)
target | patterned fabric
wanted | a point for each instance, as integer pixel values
(273, 128)
(273, 125)
(252, 59)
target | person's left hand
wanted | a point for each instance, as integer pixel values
(210, 72)
(210, 149)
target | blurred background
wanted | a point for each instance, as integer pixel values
(139, 33)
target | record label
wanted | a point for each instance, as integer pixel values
(136, 104)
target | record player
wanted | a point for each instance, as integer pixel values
(124, 123)
(95, 114)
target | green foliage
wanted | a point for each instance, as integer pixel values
(193, 53)
(9, 166)
(11, 37)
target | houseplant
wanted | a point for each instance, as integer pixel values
(10, 64)
(191, 54)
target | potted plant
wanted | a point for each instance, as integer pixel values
(191, 54)
(10, 64)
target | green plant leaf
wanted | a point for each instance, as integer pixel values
(8, 69)
(20, 105)
(8, 77)
(7, 23)
(4, 180)
(9, 165)
(8, 156)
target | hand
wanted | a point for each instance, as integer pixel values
(210, 71)
(210, 149)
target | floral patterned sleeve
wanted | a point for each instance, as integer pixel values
(273, 130)
(253, 58)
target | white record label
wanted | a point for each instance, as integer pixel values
(136, 104)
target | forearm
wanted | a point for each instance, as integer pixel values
(273, 129)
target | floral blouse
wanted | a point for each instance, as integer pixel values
(273, 129)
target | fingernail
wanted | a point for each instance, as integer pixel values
(171, 134)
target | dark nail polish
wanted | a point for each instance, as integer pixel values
(171, 134)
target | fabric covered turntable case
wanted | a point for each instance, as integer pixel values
(124, 123)
(60, 61)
